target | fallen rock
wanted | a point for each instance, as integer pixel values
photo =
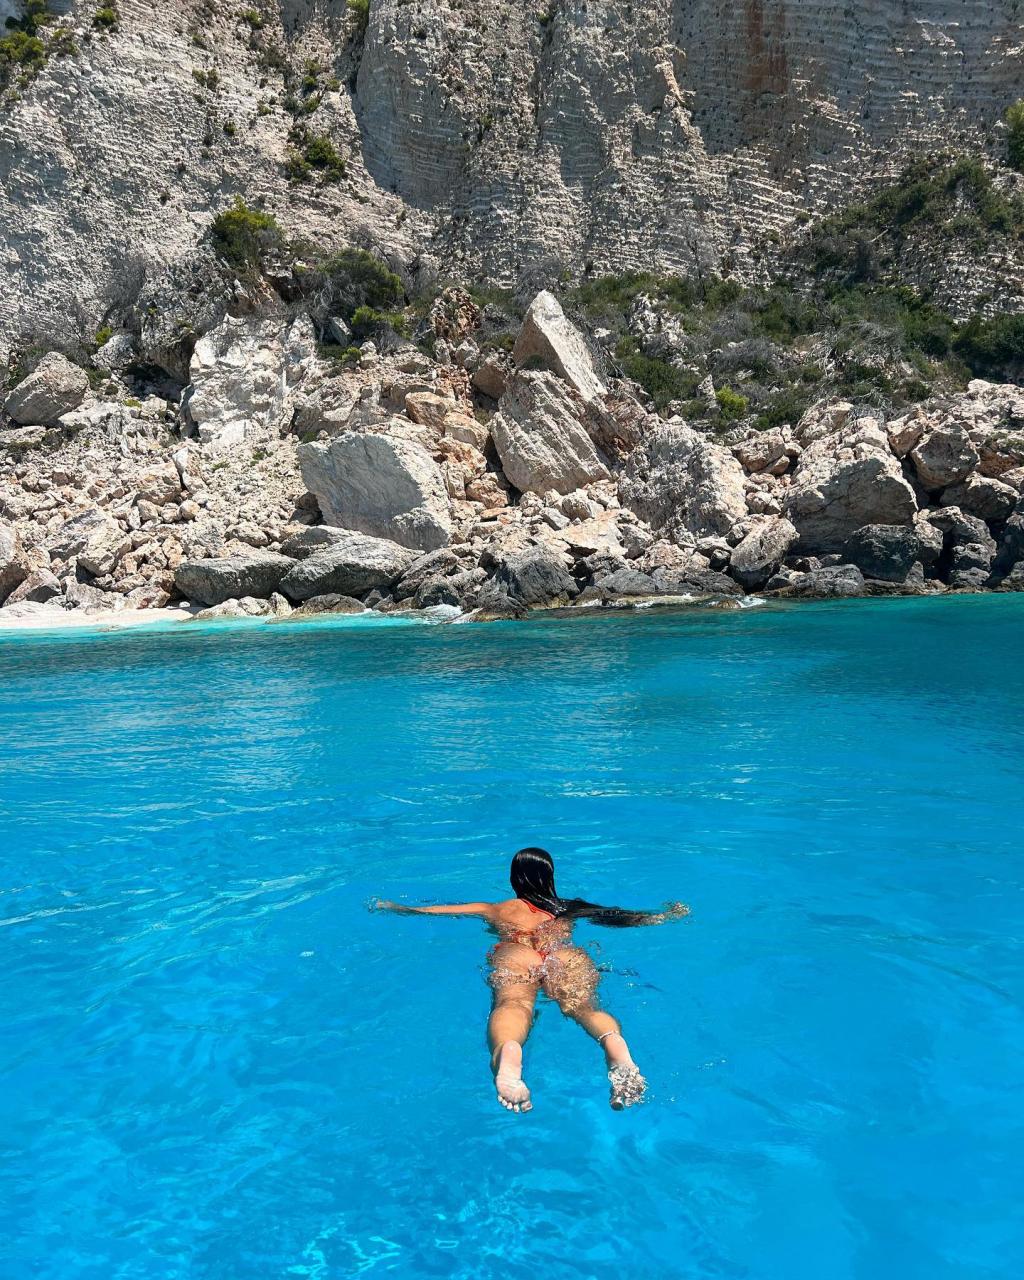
(160, 484)
(492, 376)
(540, 433)
(761, 552)
(832, 581)
(331, 602)
(379, 485)
(682, 484)
(13, 567)
(347, 566)
(883, 551)
(944, 456)
(547, 336)
(53, 388)
(981, 496)
(37, 587)
(95, 538)
(842, 482)
(16, 440)
(245, 607)
(536, 577)
(232, 577)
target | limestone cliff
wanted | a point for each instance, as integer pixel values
(514, 143)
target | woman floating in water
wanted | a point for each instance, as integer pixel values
(535, 953)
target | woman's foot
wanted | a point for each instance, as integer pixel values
(508, 1078)
(628, 1085)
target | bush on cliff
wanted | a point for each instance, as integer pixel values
(1015, 135)
(993, 348)
(242, 236)
(346, 282)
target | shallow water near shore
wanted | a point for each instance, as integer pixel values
(217, 1062)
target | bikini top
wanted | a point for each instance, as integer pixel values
(537, 911)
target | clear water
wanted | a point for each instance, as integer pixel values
(217, 1063)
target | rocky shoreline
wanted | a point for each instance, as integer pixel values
(277, 480)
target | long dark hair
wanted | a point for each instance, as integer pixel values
(533, 880)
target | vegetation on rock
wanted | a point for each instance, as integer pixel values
(242, 236)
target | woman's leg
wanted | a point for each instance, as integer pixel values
(571, 979)
(515, 994)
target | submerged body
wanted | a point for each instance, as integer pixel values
(535, 953)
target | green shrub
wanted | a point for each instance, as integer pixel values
(1015, 135)
(105, 18)
(360, 11)
(102, 336)
(241, 236)
(342, 283)
(20, 51)
(993, 348)
(321, 153)
(731, 403)
(254, 19)
(367, 322)
(662, 381)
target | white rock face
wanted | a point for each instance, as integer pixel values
(380, 485)
(13, 568)
(241, 373)
(548, 336)
(944, 456)
(682, 484)
(53, 388)
(760, 553)
(541, 436)
(95, 538)
(843, 481)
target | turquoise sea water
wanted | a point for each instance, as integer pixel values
(217, 1063)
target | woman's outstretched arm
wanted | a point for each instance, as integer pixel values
(452, 909)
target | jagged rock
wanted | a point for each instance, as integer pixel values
(428, 409)
(53, 388)
(379, 485)
(540, 433)
(244, 607)
(704, 581)
(968, 545)
(903, 433)
(1010, 556)
(825, 418)
(546, 335)
(332, 602)
(13, 566)
(214, 581)
(90, 599)
(831, 581)
(37, 587)
(160, 484)
(535, 577)
(95, 538)
(764, 451)
(492, 376)
(622, 584)
(761, 552)
(842, 482)
(943, 457)
(441, 562)
(461, 427)
(117, 354)
(883, 551)
(981, 496)
(240, 374)
(682, 484)
(17, 440)
(347, 566)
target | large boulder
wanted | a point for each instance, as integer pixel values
(760, 553)
(94, 538)
(535, 577)
(13, 566)
(968, 546)
(843, 481)
(981, 496)
(944, 456)
(39, 587)
(379, 485)
(240, 375)
(883, 551)
(682, 484)
(540, 433)
(350, 566)
(53, 388)
(213, 581)
(831, 582)
(548, 337)
(1010, 557)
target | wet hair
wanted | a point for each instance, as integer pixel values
(533, 880)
